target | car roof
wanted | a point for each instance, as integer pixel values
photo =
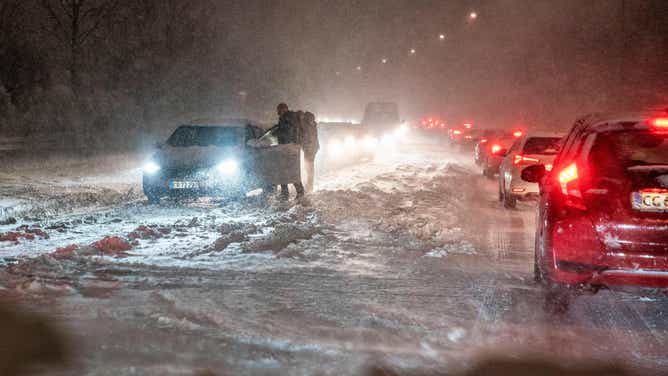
(221, 123)
(600, 122)
(541, 133)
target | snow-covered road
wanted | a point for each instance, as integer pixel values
(409, 262)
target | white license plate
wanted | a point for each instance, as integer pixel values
(650, 200)
(183, 184)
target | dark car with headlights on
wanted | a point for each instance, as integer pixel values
(603, 211)
(218, 157)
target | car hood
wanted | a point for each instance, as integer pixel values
(194, 156)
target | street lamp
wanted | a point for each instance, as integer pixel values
(359, 68)
(383, 60)
(412, 51)
(441, 36)
(473, 15)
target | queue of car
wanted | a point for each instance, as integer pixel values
(602, 193)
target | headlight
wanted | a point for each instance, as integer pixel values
(151, 167)
(335, 148)
(369, 142)
(228, 167)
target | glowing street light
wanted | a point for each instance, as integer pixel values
(412, 51)
(441, 36)
(473, 15)
(383, 60)
(359, 68)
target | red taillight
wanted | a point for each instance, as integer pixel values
(566, 176)
(496, 149)
(661, 123)
(517, 159)
(568, 180)
(518, 134)
(483, 140)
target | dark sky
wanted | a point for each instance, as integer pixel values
(519, 61)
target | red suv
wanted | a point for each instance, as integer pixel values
(603, 211)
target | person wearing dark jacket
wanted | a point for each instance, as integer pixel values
(310, 146)
(288, 132)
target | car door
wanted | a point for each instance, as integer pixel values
(272, 163)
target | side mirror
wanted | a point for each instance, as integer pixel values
(534, 173)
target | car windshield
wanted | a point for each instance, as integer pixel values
(206, 136)
(542, 145)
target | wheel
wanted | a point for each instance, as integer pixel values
(501, 185)
(509, 201)
(488, 173)
(557, 299)
(152, 195)
(537, 274)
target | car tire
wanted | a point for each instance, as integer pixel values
(151, 193)
(557, 299)
(152, 197)
(488, 173)
(509, 201)
(537, 273)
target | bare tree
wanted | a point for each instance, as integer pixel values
(74, 23)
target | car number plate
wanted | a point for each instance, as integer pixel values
(652, 200)
(183, 184)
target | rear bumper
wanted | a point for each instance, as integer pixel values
(574, 273)
(576, 255)
(521, 189)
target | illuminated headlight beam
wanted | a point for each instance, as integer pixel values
(228, 167)
(151, 167)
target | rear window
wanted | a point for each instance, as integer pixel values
(542, 145)
(613, 153)
(206, 136)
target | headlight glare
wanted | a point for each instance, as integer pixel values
(151, 167)
(228, 167)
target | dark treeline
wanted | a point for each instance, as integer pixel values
(98, 74)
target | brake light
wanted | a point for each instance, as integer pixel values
(517, 159)
(468, 125)
(496, 148)
(518, 134)
(568, 181)
(660, 123)
(548, 167)
(483, 140)
(457, 131)
(568, 175)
